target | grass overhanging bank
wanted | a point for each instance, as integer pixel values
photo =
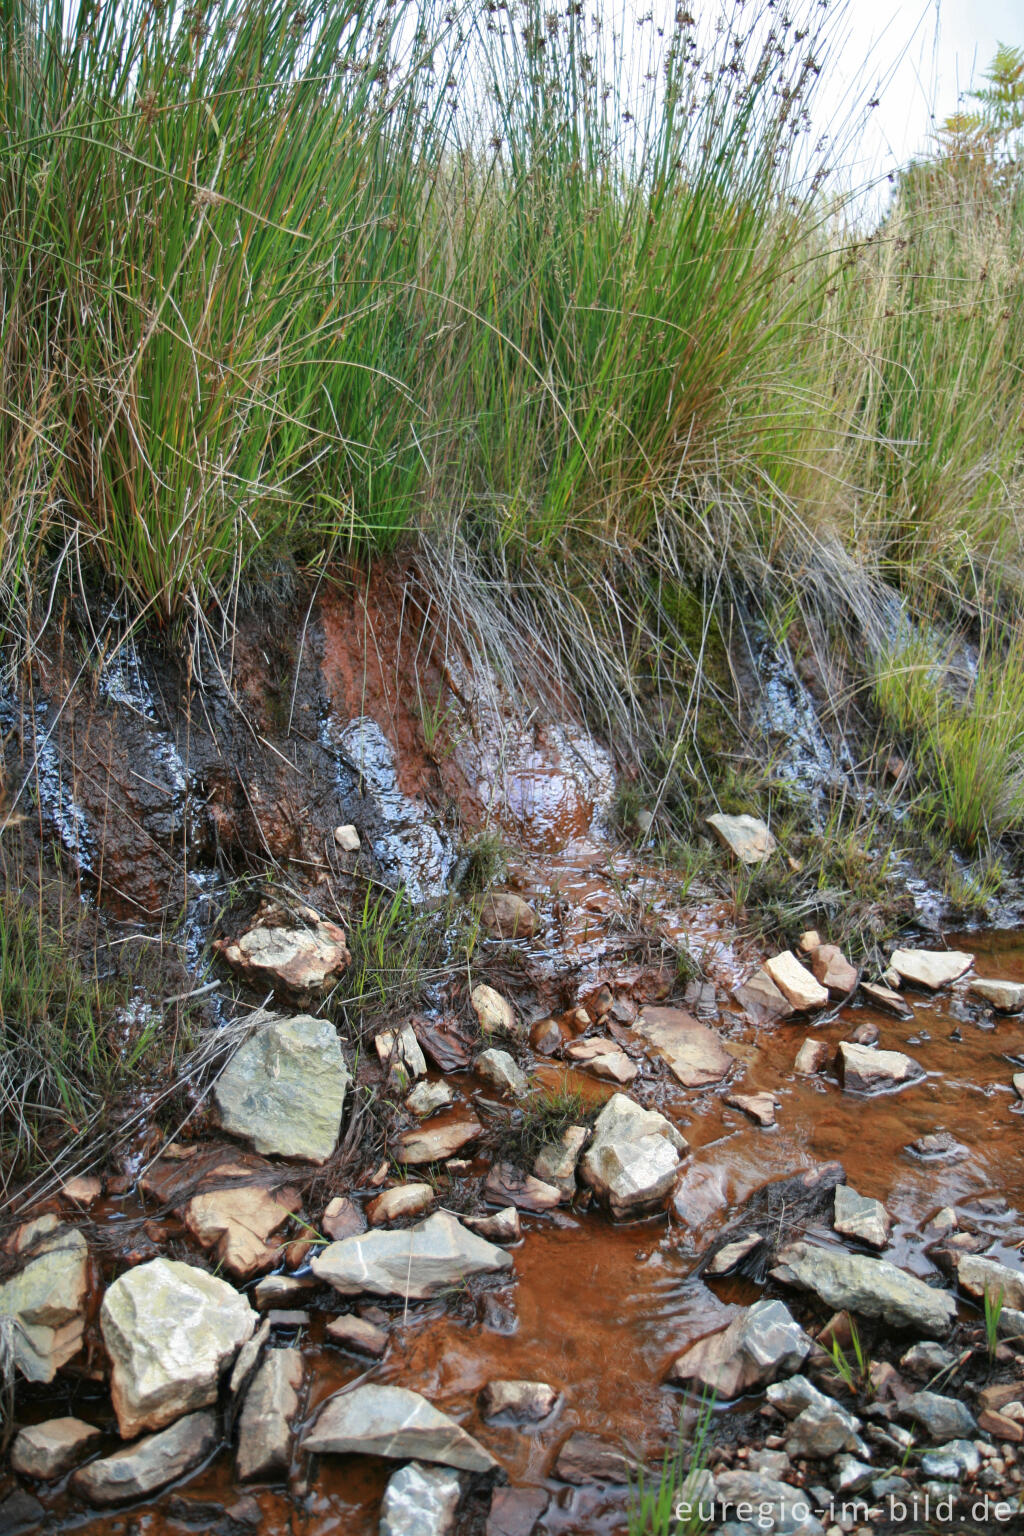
(611, 356)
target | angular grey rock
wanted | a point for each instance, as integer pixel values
(746, 836)
(860, 1217)
(818, 1432)
(502, 1227)
(420, 1500)
(400, 1054)
(516, 1511)
(868, 1286)
(375, 1420)
(428, 1098)
(46, 1451)
(47, 1300)
(171, 1330)
(246, 1361)
(945, 1418)
(863, 1070)
(284, 1089)
(931, 968)
(885, 998)
(417, 1262)
(527, 1401)
(795, 982)
(265, 1426)
(731, 1255)
(508, 1185)
(926, 1360)
(788, 1509)
(852, 1475)
(500, 1070)
(149, 1464)
(956, 1460)
(587, 1458)
(760, 1345)
(633, 1157)
(356, 1333)
(762, 1000)
(796, 1393)
(1003, 996)
(980, 1277)
(556, 1160)
(693, 1052)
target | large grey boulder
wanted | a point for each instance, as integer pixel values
(270, 1407)
(760, 1345)
(867, 1286)
(284, 1089)
(149, 1464)
(693, 1052)
(633, 1158)
(171, 1330)
(47, 1301)
(416, 1262)
(420, 1500)
(375, 1420)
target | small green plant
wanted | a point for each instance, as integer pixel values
(543, 1118)
(679, 1502)
(856, 1373)
(993, 1313)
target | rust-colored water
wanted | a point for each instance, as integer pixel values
(599, 1310)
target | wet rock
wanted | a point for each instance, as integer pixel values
(834, 971)
(939, 1146)
(980, 1277)
(745, 836)
(428, 1098)
(605, 1059)
(347, 838)
(420, 1500)
(516, 1511)
(760, 1345)
(795, 982)
(376, 1420)
(862, 1070)
(732, 1255)
(945, 1418)
(796, 1394)
(46, 1451)
(432, 1143)
(509, 1185)
(500, 1070)
(546, 1036)
(693, 1052)
(265, 1426)
(819, 1431)
(586, 1458)
(957, 1459)
(778, 1507)
(886, 999)
(401, 1200)
(1018, 1084)
(495, 1013)
(47, 1300)
(358, 1334)
(926, 1360)
(284, 1089)
(633, 1158)
(930, 968)
(759, 1106)
(762, 1000)
(170, 1330)
(300, 962)
(812, 1057)
(502, 1227)
(857, 1216)
(342, 1218)
(1003, 996)
(149, 1464)
(399, 1053)
(19, 1511)
(246, 1361)
(498, 1314)
(867, 1286)
(556, 1160)
(236, 1224)
(83, 1190)
(448, 1047)
(865, 1034)
(417, 1262)
(526, 1401)
(508, 916)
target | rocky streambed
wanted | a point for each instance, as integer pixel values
(796, 1218)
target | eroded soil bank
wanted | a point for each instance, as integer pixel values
(183, 812)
